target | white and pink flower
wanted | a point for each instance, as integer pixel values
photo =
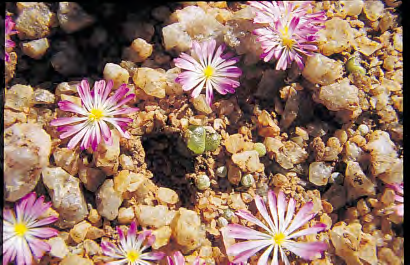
(23, 231)
(280, 232)
(8, 31)
(178, 259)
(209, 69)
(289, 31)
(132, 248)
(97, 111)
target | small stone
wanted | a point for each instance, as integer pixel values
(175, 37)
(248, 161)
(108, 200)
(94, 217)
(126, 162)
(234, 174)
(358, 184)
(66, 88)
(152, 81)
(79, 231)
(34, 21)
(187, 230)
(106, 157)
(42, 96)
(366, 46)
(322, 70)
(221, 171)
(91, 247)
(336, 177)
(173, 88)
(26, 153)
(116, 73)
(48, 213)
(373, 9)
(68, 159)
(75, 100)
(92, 178)
(12, 117)
(162, 236)
(155, 216)
(126, 215)
(279, 180)
(166, 195)
(138, 52)
(236, 202)
(319, 173)
(94, 233)
(58, 247)
(201, 105)
(66, 195)
(339, 96)
(122, 181)
(202, 182)
(19, 98)
(72, 17)
(36, 48)
(75, 259)
(234, 143)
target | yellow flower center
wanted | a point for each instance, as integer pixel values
(133, 255)
(279, 238)
(209, 71)
(95, 115)
(287, 40)
(20, 229)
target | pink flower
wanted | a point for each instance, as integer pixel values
(289, 31)
(23, 233)
(178, 259)
(271, 12)
(131, 249)
(97, 110)
(398, 188)
(280, 231)
(209, 69)
(9, 25)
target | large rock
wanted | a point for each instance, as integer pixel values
(187, 230)
(66, 195)
(34, 21)
(26, 153)
(19, 98)
(72, 17)
(152, 81)
(322, 70)
(108, 200)
(154, 216)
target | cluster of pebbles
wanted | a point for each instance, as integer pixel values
(331, 134)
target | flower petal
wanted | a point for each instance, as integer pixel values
(306, 250)
(251, 218)
(243, 232)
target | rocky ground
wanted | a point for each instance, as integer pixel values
(331, 134)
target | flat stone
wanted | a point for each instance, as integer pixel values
(26, 153)
(66, 195)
